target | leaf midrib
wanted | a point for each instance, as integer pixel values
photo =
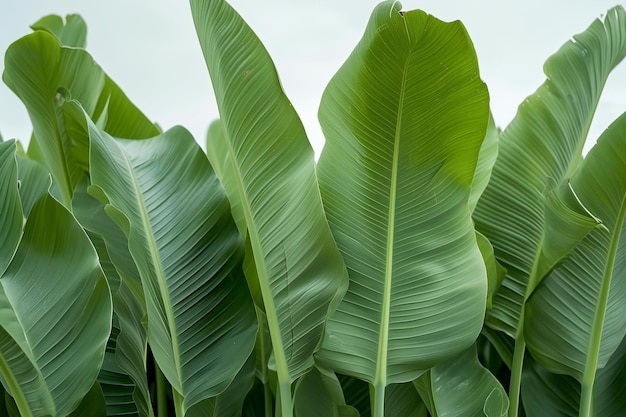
(593, 352)
(156, 261)
(380, 378)
(278, 347)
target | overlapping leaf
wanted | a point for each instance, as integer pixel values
(267, 167)
(576, 318)
(318, 393)
(165, 196)
(539, 150)
(55, 311)
(44, 75)
(463, 387)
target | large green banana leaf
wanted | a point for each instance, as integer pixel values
(55, 311)
(268, 170)
(539, 150)
(395, 175)
(526, 211)
(114, 111)
(576, 318)
(165, 196)
(44, 75)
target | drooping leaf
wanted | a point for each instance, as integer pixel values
(538, 151)
(55, 310)
(45, 75)
(165, 196)
(402, 144)
(91, 214)
(576, 318)
(268, 170)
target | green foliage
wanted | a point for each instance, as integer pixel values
(428, 261)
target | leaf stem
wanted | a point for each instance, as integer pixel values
(178, 404)
(379, 400)
(161, 391)
(14, 387)
(586, 400)
(516, 371)
(286, 403)
(593, 353)
(267, 396)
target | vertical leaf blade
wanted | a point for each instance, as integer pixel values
(271, 169)
(395, 175)
(201, 320)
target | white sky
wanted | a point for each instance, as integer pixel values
(149, 47)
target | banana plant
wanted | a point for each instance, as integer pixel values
(268, 170)
(396, 174)
(577, 335)
(201, 321)
(264, 284)
(528, 211)
(50, 272)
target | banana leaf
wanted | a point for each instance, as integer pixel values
(44, 74)
(527, 211)
(164, 195)
(268, 169)
(55, 310)
(402, 147)
(576, 318)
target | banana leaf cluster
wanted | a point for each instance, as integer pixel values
(428, 264)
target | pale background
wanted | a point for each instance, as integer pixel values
(149, 47)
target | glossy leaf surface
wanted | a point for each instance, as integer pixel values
(395, 175)
(165, 196)
(49, 362)
(268, 170)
